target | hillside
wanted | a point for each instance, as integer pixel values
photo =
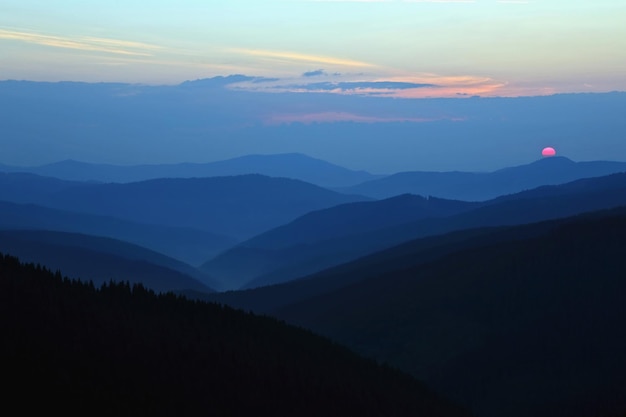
(527, 321)
(294, 244)
(122, 350)
(276, 264)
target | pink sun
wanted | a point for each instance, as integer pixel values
(548, 152)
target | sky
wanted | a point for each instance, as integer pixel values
(446, 48)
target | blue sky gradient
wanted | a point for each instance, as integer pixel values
(481, 47)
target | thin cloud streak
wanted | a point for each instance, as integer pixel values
(330, 117)
(298, 57)
(111, 46)
(413, 86)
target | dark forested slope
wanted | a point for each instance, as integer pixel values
(122, 350)
(533, 326)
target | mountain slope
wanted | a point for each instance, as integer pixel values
(516, 321)
(191, 246)
(100, 259)
(531, 327)
(478, 186)
(121, 350)
(291, 262)
(287, 245)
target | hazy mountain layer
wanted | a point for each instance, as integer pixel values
(99, 259)
(240, 206)
(185, 244)
(296, 243)
(295, 166)
(478, 186)
(283, 263)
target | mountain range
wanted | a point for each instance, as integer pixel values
(517, 321)
(236, 206)
(453, 185)
(506, 306)
(480, 186)
(291, 165)
(188, 245)
(298, 249)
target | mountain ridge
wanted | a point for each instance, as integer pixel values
(482, 186)
(288, 165)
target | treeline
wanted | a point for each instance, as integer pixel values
(123, 350)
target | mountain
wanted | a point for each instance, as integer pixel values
(515, 321)
(287, 246)
(191, 246)
(289, 165)
(236, 206)
(480, 186)
(282, 262)
(124, 350)
(22, 187)
(99, 259)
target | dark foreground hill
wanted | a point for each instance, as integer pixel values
(122, 350)
(526, 325)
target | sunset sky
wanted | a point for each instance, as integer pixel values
(445, 48)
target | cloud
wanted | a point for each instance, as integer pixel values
(314, 73)
(298, 57)
(409, 86)
(331, 117)
(110, 46)
(362, 86)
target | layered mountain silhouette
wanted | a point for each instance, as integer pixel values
(516, 321)
(236, 206)
(479, 186)
(185, 244)
(100, 260)
(289, 165)
(299, 249)
(306, 244)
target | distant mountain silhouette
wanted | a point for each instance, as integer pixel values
(287, 245)
(101, 260)
(275, 264)
(123, 350)
(188, 245)
(239, 206)
(516, 321)
(21, 187)
(479, 186)
(289, 165)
